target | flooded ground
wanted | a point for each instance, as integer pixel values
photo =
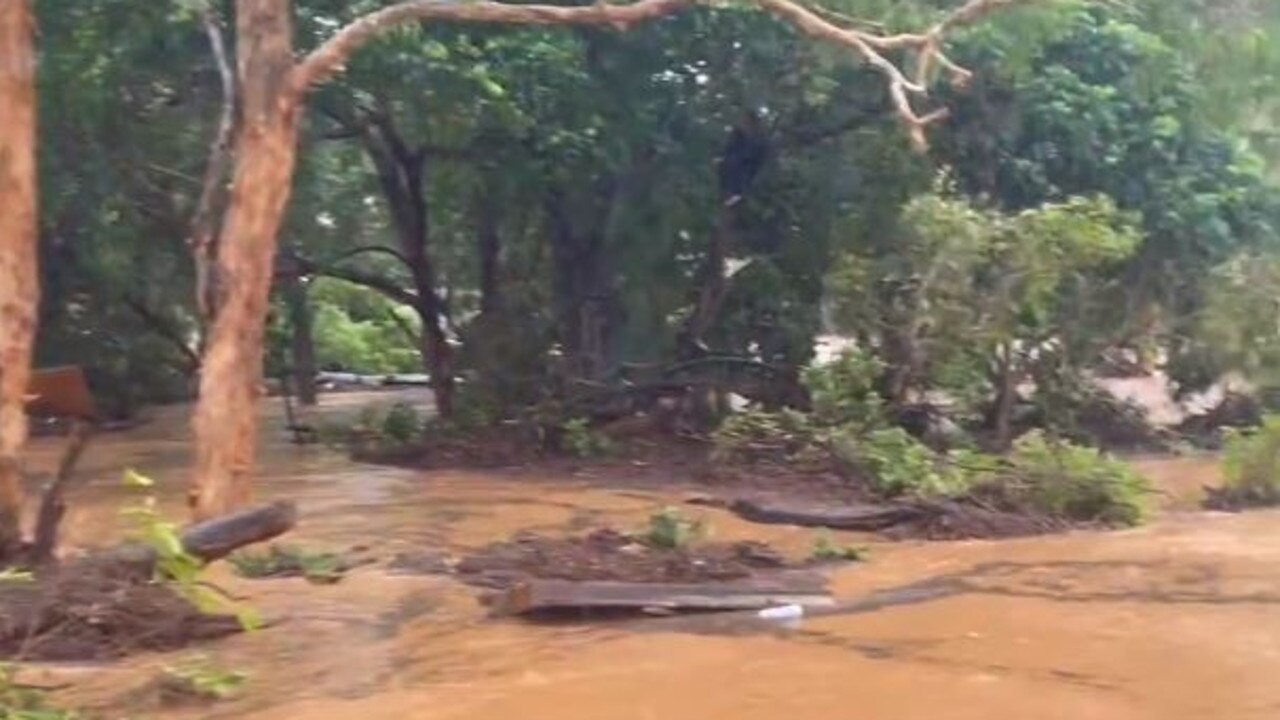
(1178, 620)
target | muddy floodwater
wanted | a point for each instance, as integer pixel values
(1177, 620)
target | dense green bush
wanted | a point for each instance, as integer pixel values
(1251, 464)
(895, 463)
(1058, 479)
(761, 435)
(843, 391)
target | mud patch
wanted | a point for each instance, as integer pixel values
(98, 611)
(612, 555)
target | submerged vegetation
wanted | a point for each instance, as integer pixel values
(1250, 467)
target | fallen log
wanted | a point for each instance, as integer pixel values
(549, 596)
(866, 518)
(215, 538)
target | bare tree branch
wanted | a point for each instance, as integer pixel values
(330, 57)
(379, 283)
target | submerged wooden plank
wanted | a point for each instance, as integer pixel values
(838, 517)
(543, 596)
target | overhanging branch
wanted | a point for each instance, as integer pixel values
(331, 56)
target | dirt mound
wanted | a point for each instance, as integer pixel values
(94, 611)
(611, 555)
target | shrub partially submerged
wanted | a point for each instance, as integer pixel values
(1058, 479)
(380, 430)
(1041, 476)
(1250, 467)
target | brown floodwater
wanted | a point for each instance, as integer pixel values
(1177, 620)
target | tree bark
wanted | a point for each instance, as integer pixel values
(489, 243)
(302, 341)
(1006, 396)
(402, 177)
(19, 276)
(225, 420)
(583, 287)
(743, 157)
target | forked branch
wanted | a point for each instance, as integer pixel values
(870, 46)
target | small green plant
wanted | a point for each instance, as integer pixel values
(581, 441)
(320, 568)
(827, 549)
(20, 702)
(401, 424)
(1251, 463)
(669, 529)
(197, 678)
(174, 565)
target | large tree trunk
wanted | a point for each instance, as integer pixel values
(402, 177)
(585, 298)
(225, 420)
(585, 304)
(19, 284)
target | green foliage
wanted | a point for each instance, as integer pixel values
(843, 391)
(174, 566)
(669, 529)
(357, 330)
(1059, 479)
(970, 292)
(1251, 463)
(198, 678)
(579, 440)
(1106, 106)
(1235, 329)
(761, 435)
(18, 702)
(402, 423)
(895, 463)
(320, 568)
(827, 549)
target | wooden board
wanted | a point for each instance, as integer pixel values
(547, 596)
(867, 518)
(60, 392)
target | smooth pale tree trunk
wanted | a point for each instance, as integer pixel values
(225, 421)
(19, 278)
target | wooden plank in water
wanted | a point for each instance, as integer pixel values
(544, 596)
(867, 518)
